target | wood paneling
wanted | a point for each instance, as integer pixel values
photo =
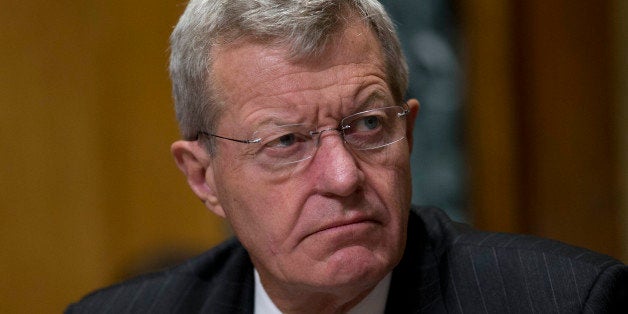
(491, 121)
(620, 60)
(541, 83)
(88, 190)
(567, 110)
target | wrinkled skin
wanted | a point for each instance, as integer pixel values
(323, 232)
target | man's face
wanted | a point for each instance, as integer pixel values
(337, 219)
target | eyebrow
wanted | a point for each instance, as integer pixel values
(375, 97)
(272, 121)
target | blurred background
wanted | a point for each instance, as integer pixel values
(523, 129)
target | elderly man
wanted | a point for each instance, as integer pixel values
(296, 132)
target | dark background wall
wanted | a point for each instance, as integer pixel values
(429, 31)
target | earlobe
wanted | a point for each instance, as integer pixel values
(195, 163)
(413, 106)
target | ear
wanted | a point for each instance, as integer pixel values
(413, 106)
(196, 164)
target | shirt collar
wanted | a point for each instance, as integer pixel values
(373, 303)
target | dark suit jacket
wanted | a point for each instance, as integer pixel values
(447, 268)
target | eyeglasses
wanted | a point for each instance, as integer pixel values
(367, 130)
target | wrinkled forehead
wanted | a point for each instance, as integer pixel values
(241, 68)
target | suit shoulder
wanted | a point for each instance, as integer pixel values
(172, 288)
(533, 273)
(445, 234)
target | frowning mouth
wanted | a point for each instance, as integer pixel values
(352, 227)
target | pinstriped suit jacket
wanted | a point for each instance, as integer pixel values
(447, 268)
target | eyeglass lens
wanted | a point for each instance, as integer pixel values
(367, 130)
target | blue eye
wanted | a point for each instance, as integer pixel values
(283, 146)
(371, 122)
(366, 124)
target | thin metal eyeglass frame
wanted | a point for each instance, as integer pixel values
(340, 128)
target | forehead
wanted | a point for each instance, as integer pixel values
(247, 74)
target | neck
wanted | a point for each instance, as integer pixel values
(337, 300)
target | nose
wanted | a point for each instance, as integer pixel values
(335, 168)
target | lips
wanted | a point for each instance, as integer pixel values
(349, 225)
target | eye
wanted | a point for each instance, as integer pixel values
(285, 140)
(284, 144)
(371, 122)
(366, 124)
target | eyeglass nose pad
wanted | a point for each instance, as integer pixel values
(340, 129)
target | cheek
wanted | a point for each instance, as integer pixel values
(389, 184)
(389, 175)
(260, 213)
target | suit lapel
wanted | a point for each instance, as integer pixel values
(415, 285)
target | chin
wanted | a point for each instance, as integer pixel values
(357, 266)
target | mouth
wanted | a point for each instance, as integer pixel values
(352, 227)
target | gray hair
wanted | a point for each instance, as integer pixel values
(302, 25)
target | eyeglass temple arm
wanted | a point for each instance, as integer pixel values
(257, 140)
